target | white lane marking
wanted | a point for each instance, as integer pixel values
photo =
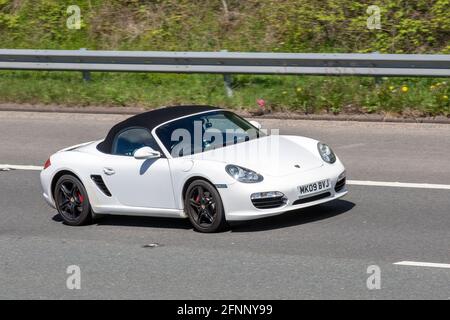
(398, 184)
(423, 264)
(7, 167)
(350, 146)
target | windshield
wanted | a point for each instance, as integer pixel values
(204, 132)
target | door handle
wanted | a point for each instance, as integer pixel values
(109, 171)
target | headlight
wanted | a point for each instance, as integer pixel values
(326, 153)
(243, 175)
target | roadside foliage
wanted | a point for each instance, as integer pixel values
(420, 26)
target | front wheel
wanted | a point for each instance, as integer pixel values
(204, 207)
(72, 201)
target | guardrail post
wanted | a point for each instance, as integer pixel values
(378, 79)
(228, 82)
(86, 74)
(228, 85)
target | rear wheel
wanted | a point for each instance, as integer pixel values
(72, 201)
(204, 207)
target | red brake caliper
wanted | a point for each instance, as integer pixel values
(80, 197)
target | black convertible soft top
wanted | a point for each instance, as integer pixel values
(150, 120)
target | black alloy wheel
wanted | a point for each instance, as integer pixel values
(204, 208)
(72, 201)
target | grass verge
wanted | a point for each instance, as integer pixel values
(303, 94)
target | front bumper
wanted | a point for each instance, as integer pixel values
(238, 205)
(46, 182)
(49, 201)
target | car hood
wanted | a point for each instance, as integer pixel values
(271, 155)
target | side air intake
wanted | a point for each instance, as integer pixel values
(98, 180)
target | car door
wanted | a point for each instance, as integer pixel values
(138, 183)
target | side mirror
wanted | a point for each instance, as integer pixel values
(146, 153)
(256, 124)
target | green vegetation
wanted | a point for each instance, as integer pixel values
(420, 26)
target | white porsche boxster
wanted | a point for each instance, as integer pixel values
(198, 162)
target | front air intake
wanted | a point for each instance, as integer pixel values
(98, 180)
(312, 198)
(340, 185)
(269, 203)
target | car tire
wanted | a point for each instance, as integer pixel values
(72, 201)
(204, 207)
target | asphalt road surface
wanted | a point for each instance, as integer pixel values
(317, 253)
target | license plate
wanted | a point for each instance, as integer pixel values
(314, 187)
